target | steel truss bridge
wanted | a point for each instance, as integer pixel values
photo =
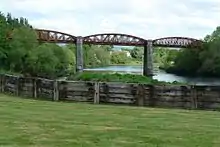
(51, 36)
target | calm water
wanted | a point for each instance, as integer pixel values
(161, 75)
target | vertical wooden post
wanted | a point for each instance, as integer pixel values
(17, 85)
(96, 93)
(79, 54)
(194, 97)
(140, 95)
(34, 87)
(151, 97)
(1, 81)
(55, 91)
(148, 59)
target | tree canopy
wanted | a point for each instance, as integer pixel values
(20, 52)
(204, 61)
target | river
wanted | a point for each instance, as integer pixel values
(160, 75)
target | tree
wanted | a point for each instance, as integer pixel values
(118, 57)
(42, 62)
(137, 53)
(23, 41)
(200, 61)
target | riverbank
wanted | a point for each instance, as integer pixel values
(131, 63)
(117, 77)
(180, 72)
(161, 75)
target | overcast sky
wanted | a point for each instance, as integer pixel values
(144, 18)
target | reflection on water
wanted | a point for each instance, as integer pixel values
(161, 75)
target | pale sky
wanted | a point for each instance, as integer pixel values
(149, 19)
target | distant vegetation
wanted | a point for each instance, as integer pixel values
(23, 54)
(116, 77)
(203, 61)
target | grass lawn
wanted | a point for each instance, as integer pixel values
(32, 123)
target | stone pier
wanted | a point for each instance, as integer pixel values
(79, 54)
(148, 59)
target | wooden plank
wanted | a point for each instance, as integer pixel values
(118, 85)
(116, 90)
(78, 98)
(79, 84)
(81, 89)
(116, 100)
(96, 93)
(79, 93)
(122, 96)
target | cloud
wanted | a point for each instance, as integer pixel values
(144, 18)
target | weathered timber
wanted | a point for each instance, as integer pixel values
(10, 84)
(26, 87)
(45, 88)
(55, 91)
(119, 93)
(96, 93)
(172, 96)
(77, 91)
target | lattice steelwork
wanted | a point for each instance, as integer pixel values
(178, 42)
(114, 39)
(54, 36)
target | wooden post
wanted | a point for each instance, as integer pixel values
(152, 100)
(34, 87)
(3, 83)
(96, 93)
(17, 85)
(55, 91)
(194, 97)
(140, 95)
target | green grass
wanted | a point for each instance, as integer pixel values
(34, 123)
(117, 77)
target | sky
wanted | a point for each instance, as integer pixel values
(149, 19)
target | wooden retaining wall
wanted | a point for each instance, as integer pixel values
(172, 96)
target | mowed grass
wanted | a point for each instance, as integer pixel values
(35, 123)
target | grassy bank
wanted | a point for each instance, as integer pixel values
(116, 77)
(32, 123)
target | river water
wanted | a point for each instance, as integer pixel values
(160, 75)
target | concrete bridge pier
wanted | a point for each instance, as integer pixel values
(79, 54)
(148, 59)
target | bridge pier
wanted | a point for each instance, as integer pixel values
(148, 59)
(79, 54)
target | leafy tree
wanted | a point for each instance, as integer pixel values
(118, 57)
(42, 62)
(137, 53)
(20, 47)
(200, 61)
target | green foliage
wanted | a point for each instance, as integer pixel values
(20, 51)
(164, 57)
(137, 53)
(203, 61)
(126, 78)
(119, 57)
(96, 55)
